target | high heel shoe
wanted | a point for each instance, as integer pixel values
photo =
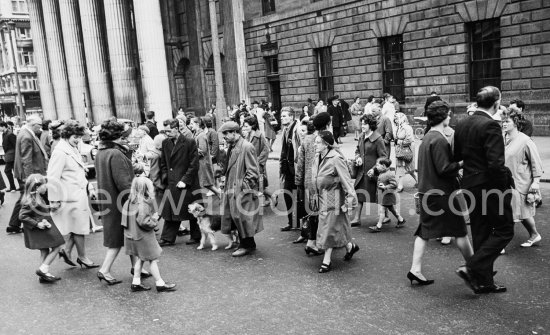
(421, 282)
(313, 251)
(88, 266)
(325, 268)
(349, 255)
(66, 259)
(109, 282)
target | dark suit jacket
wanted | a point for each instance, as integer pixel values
(179, 162)
(480, 144)
(286, 161)
(337, 117)
(30, 155)
(153, 130)
(8, 142)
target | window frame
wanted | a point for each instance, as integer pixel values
(491, 64)
(393, 73)
(325, 74)
(271, 63)
(19, 6)
(268, 7)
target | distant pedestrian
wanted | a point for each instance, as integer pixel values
(40, 230)
(519, 106)
(151, 124)
(368, 106)
(8, 143)
(384, 126)
(139, 218)
(356, 113)
(404, 150)
(257, 139)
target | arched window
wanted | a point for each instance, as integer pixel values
(183, 83)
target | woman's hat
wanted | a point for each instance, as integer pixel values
(327, 137)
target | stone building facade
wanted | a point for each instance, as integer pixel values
(299, 49)
(16, 14)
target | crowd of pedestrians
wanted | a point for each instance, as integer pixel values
(167, 171)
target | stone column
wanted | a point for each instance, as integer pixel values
(235, 51)
(152, 55)
(76, 63)
(196, 69)
(220, 98)
(123, 68)
(99, 80)
(47, 98)
(56, 57)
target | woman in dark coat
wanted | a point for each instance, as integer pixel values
(439, 209)
(370, 147)
(114, 173)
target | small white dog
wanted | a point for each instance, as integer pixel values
(205, 225)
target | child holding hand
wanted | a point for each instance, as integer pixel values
(39, 229)
(387, 201)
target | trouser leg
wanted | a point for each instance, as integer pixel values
(170, 231)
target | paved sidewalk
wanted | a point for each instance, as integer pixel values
(349, 145)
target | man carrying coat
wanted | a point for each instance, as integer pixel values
(240, 204)
(179, 165)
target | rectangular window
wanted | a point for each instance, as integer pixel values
(24, 33)
(28, 82)
(268, 7)
(393, 71)
(272, 65)
(26, 58)
(324, 73)
(484, 54)
(19, 6)
(181, 20)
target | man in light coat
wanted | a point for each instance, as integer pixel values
(240, 204)
(30, 157)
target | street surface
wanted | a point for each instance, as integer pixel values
(278, 289)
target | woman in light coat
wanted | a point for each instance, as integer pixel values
(404, 139)
(67, 192)
(335, 199)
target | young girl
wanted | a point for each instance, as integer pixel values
(386, 194)
(40, 231)
(139, 219)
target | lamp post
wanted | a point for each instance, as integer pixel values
(10, 27)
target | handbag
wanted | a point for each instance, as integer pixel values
(353, 169)
(404, 153)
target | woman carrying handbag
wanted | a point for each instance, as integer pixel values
(404, 152)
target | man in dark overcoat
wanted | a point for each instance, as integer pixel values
(179, 164)
(478, 141)
(30, 157)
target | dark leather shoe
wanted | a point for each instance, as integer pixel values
(164, 243)
(183, 232)
(493, 288)
(463, 273)
(300, 239)
(356, 224)
(192, 241)
(13, 230)
(240, 252)
(166, 288)
(286, 228)
(139, 288)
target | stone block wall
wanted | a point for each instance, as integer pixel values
(435, 44)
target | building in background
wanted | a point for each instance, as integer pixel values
(16, 12)
(291, 50)
(103, 58)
